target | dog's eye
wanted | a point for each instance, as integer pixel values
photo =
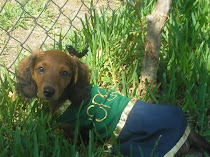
(40, 70)
(64, 74)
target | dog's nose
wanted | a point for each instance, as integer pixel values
(49, 92)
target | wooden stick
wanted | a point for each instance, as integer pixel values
(155, 23)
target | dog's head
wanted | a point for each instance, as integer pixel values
(52, 75)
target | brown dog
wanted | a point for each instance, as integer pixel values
(56, 77)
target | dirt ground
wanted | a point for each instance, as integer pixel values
(17, 42)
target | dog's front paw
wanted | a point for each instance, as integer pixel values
(67, 129)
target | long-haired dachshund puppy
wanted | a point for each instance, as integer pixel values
(55, 77)
(140, 128)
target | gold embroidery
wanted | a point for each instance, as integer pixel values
(100, 120)
(91, 106)
(101, 106)
(114, 94)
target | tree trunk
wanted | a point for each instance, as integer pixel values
(155, 23)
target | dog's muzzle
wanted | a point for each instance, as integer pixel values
(49, 92)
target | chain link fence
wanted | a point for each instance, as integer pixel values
(28, 25)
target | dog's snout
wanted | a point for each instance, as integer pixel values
(49, 92)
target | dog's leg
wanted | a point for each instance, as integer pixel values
(67, 129)
(194, 140)
(198, 141)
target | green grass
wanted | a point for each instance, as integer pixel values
(185, 61)
(28, 130)
(115, 52)
(23, 14)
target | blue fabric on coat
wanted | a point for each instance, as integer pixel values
(151, 130)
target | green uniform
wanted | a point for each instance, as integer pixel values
(104, 109)
(146, 128)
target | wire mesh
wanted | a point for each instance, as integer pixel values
(28, 25)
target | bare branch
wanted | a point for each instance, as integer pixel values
(155, 24)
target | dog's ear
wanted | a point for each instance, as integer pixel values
(78, 88)
(81, 73)
(25, 83)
